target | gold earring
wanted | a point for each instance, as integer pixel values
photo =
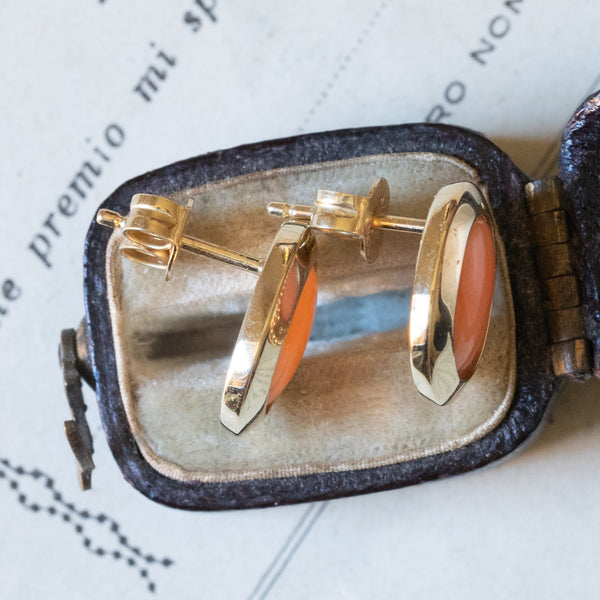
(279, 318)
(454, 276)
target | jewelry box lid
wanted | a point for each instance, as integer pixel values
(579, 173)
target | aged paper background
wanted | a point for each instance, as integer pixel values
(244, 72)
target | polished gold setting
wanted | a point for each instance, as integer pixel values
(154, 235)
(454, 210)
(265, 327)
(445, 232)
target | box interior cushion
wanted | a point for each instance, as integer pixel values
(352, 403)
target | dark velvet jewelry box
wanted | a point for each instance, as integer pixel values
(350, 421)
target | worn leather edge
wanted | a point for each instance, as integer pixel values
(535, 385)
(579, 171)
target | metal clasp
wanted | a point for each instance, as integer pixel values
(74, 360)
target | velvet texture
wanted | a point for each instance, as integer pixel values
(352, 403)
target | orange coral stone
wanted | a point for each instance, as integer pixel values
(474, 298)
(298, 332)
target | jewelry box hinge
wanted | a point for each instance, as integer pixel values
(570, 349)
(74, 358)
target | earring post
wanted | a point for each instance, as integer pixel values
(110, 218)
(394, 223)
(230, 257)
(300, 212)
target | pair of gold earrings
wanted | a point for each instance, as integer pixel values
(451, 296)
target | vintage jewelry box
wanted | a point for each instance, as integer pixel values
(351, 419)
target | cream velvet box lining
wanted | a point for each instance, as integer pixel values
(352, 403)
